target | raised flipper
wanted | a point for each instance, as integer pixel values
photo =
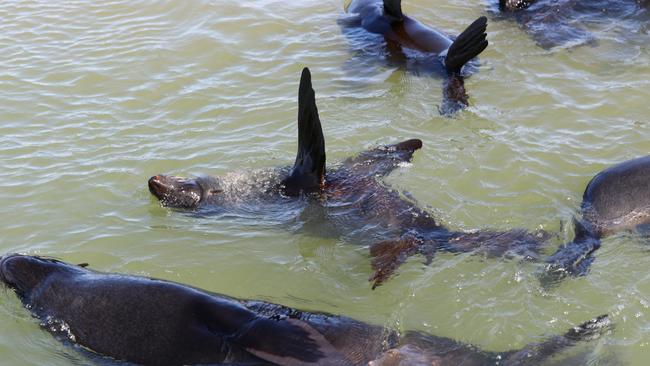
(468, 45)
(384, 159)
(535, 353)
(388, 255)
(282, 341)
(308, 172)
(393, 8)
(574, 258)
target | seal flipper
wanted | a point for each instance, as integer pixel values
(468, 45)
(281, 340)
(393, 8)
(389, 255)
(290, 342)
(535, 353)
(574, 258)
(384, 159)
(308, 172)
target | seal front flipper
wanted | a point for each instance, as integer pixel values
(382, 160)
(388, 255)
(468, 45)
(308, 172)
(574, 258)
(290, 342)
(393, 8)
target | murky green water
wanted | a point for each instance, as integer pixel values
(98, 96)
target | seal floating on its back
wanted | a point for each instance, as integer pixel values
(616, 199)
(403, 32)
(351, 199)
(156, 322)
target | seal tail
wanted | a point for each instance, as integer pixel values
(574, 258)
(535, 353)
(468, 45)
(308, 172)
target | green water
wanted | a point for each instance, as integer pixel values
(95, 97)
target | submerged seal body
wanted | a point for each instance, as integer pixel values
(553, 23)
(156, 322)
(616, 199)
(350, 198)
(400, 31)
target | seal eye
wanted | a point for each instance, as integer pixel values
(214, 191)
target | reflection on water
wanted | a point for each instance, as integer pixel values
(99, 96)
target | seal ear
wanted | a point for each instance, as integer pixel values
(384, 159)
(308, 173)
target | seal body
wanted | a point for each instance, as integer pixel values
(156, 322)
(398, 27)
(555, 23)
(349, 199)
(616, 199)
(400, 32)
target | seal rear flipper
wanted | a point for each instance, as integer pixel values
(290, 342)
(384, 159)
(468, 45)
(393, 8)
(388, 255)
(308, 172)
(535, 353)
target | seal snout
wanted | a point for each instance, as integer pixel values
(158, 185)
(5, 270)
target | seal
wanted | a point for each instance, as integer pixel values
(155, 322)
(615, 200)
(399, 31)
(350, 199)
(558, 22)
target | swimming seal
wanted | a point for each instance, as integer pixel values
(403, 32)
(616, 199)
(155, 322)
(350, 198)
(553, 23)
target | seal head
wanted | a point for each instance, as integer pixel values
(178, 192)
(24, 273)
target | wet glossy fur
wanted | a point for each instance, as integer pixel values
(156, 322)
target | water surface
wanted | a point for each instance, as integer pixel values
(98, 96)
